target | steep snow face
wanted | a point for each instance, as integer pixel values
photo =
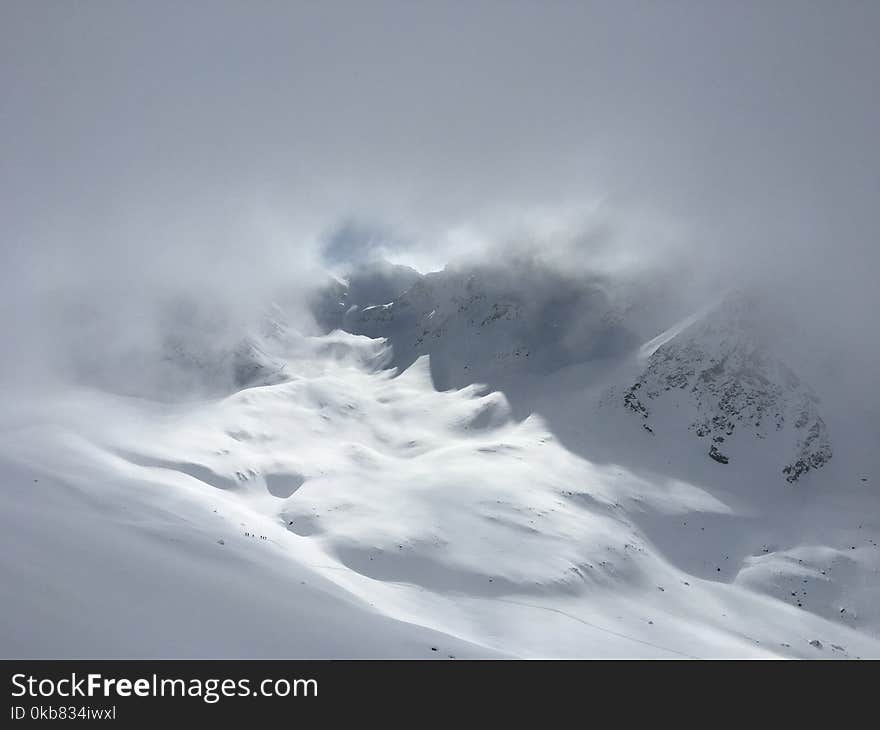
(719, 371)
(482, 323)
(374, 283)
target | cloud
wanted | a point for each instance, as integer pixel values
(216, 149)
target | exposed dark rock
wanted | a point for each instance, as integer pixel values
(732, 379)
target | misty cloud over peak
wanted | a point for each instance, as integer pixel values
(233, 154)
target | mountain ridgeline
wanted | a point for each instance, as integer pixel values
(716, 377)
(481, 323)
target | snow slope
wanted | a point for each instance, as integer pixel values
(353, 510)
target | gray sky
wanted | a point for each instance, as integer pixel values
(147, 145)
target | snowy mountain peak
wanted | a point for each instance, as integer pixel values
(722, 369)
(483, 323)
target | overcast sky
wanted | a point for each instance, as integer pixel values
(146, 143)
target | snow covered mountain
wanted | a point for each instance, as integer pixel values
(721, 370)
(466, 472)
(487, 325)
(483, 322)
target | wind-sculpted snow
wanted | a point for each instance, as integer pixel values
(353, 510)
